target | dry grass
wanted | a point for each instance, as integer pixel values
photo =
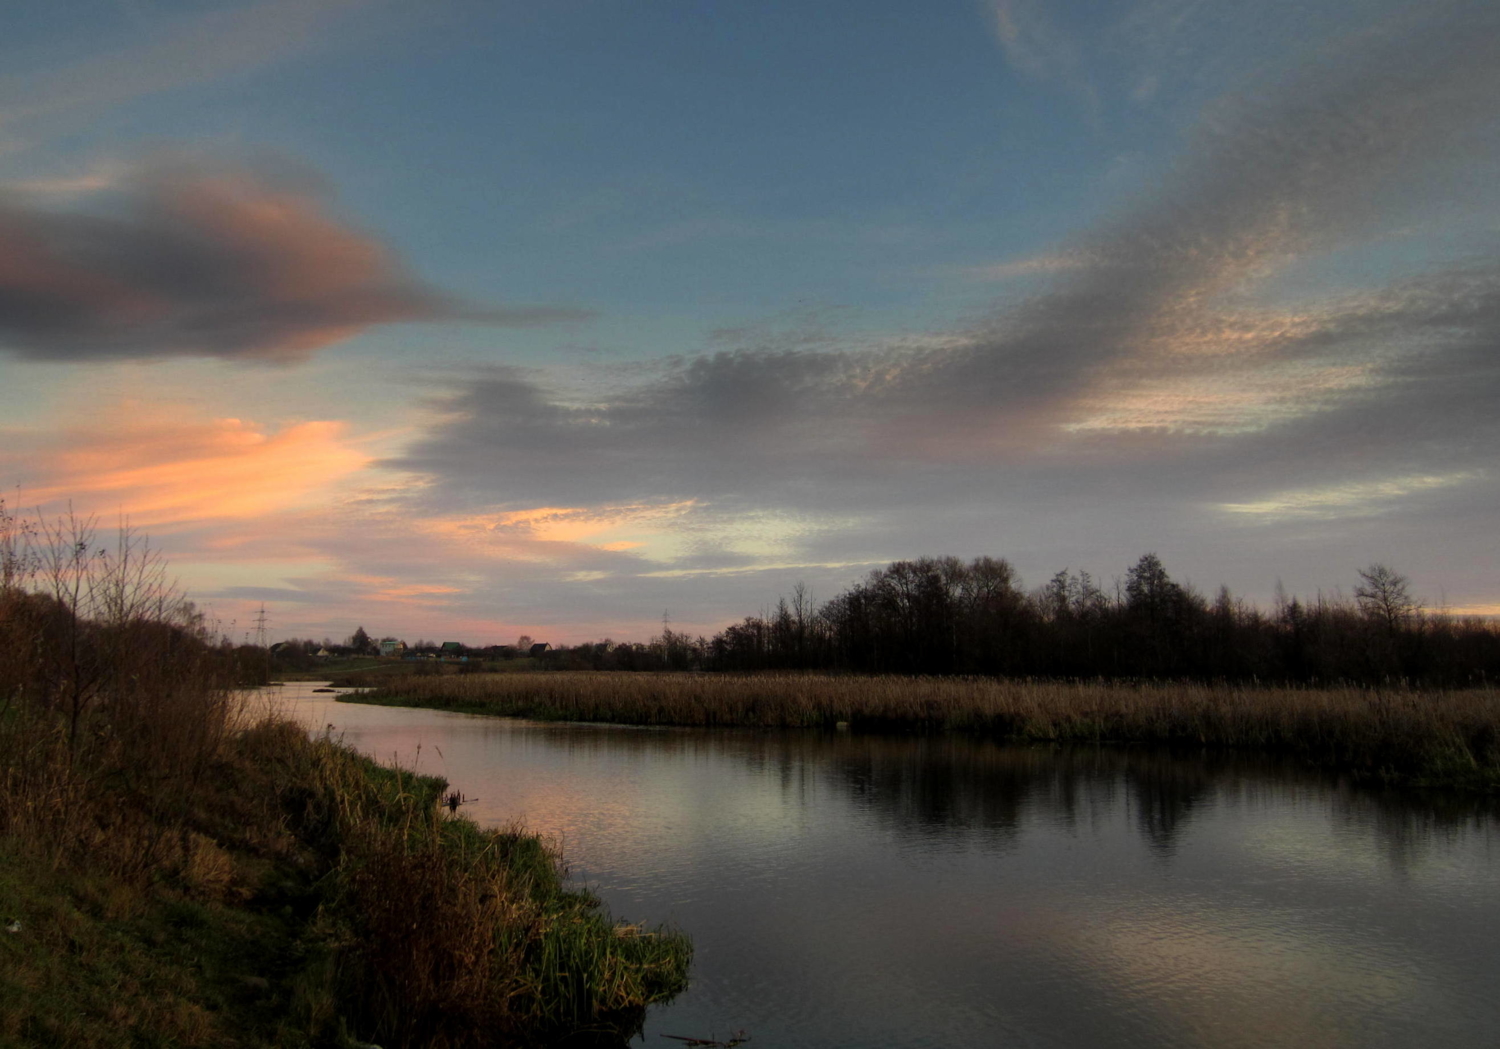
(321, 892)
(1449, 737)
(458, 936)
(194, 877)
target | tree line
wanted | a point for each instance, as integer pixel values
(943, 615)
(946, 616)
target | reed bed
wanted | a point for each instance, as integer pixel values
(1420, 737)
(453, 935)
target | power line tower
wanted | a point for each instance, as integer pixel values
(261, 620)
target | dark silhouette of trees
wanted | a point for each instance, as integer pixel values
(946, 616)
(943, 615)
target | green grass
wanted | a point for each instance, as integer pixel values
(99, 963)
(317, 897)
(1435, 738)
(458, 929)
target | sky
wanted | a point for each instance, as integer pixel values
(467, 319)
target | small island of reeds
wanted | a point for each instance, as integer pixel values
(1412, 736)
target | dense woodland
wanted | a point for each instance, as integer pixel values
(947, 616)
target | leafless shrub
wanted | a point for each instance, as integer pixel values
(113, 705)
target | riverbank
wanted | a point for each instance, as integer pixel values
(366, 672)
(1438, 738)
(297, 894)
(176, 871)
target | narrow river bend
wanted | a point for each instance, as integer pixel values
(858, 892)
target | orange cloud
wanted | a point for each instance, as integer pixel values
(507, 533)
(162, 473)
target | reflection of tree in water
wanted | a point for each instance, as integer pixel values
(951, 786)
(992, 791)
(1406, 825)
(1164, 788)
(935, 785)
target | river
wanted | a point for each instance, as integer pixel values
(860, 892)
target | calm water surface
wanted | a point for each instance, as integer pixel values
(866, 892)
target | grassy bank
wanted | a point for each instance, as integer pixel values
(301, 895)
(1431, 738)
(176, 873)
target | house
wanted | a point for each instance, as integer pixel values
(538, 648)
(392, 647)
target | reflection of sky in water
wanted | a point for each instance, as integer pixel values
(865, 892)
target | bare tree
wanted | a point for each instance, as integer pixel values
(1384, 596)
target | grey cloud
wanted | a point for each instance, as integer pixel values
(723, 423)
(961, 437)
(1305, 167)
(841, 430)
(276, 593)
(185, 260)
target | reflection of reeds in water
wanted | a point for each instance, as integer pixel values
(1439, 737)
(958, 785)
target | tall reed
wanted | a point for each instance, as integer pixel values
(459, 936)
(1422, 736)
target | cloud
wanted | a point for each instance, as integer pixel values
(165, 472)
(198, 49)
(96, 179)
(1365, 497)
(1037, 48)
(1035, 265)
(1329, 159)
(276, 593)
(1153, 366)
(185, 260)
